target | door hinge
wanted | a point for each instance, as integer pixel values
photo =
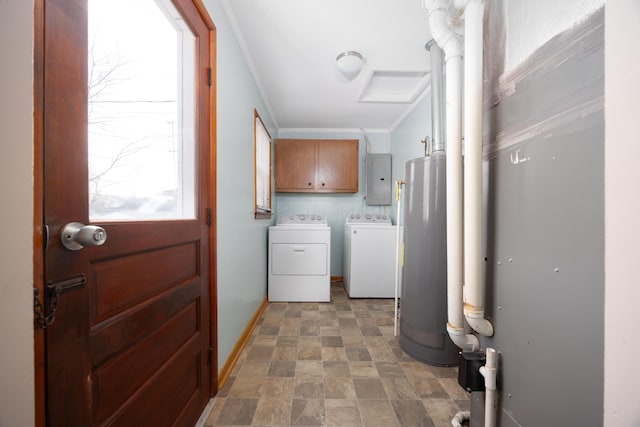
(210, 76)
(210, 357)
(45, 237)
(209, 217)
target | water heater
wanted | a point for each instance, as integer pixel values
(423, 312)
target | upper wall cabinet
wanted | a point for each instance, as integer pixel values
(316, 165)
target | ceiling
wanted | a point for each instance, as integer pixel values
(291, 47)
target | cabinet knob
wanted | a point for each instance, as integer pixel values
(309, 184)
(323, 184)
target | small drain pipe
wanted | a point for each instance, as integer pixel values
(450, 43)
(460, 417)
(490, 373)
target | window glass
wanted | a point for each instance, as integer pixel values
(262, 142)
(141, 124)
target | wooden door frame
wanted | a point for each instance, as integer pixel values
(38, 205)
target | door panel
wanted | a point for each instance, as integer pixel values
(112, 338)
(131, 347)
(181, 375)
(115, 381)
(121, 283)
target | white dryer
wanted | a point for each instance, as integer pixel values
(300, 259)
(370, 256)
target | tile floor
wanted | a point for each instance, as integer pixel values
(334, 364)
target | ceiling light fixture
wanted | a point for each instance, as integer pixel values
(349, 63)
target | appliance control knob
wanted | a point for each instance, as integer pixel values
(357, 216)
(368, 216)
(352, 216)
(291, 218)
(313, 217)
(384, 217)
(378, 217)
(301, 217)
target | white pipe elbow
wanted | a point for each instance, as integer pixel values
(460, 417)
(460, 4)
(479, 324)
(466, 342)
(435, 4)
(442, 33)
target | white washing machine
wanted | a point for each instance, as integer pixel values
(300, 259)
(370, 256)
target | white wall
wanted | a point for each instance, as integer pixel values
(406, 145)
(407, 135)
(241, 239)
(622, 210)
(16, 193)
(530, 24)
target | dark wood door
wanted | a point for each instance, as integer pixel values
(132, 346)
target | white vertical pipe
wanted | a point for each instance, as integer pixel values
(450, 44)
(399, 185)
(454, 194)
(490, 373)
(473, 56)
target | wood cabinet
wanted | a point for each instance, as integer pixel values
(316, 165)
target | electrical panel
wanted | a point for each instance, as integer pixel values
(378, 178)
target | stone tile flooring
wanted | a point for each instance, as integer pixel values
(334, 364)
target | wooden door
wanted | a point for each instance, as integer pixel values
(131, 343)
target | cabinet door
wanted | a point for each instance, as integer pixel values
(337, 166)
(295, 165)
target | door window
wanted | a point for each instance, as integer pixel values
(141, 124)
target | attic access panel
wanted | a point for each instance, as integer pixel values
(394, 86)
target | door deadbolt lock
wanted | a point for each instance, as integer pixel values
(76, 236)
